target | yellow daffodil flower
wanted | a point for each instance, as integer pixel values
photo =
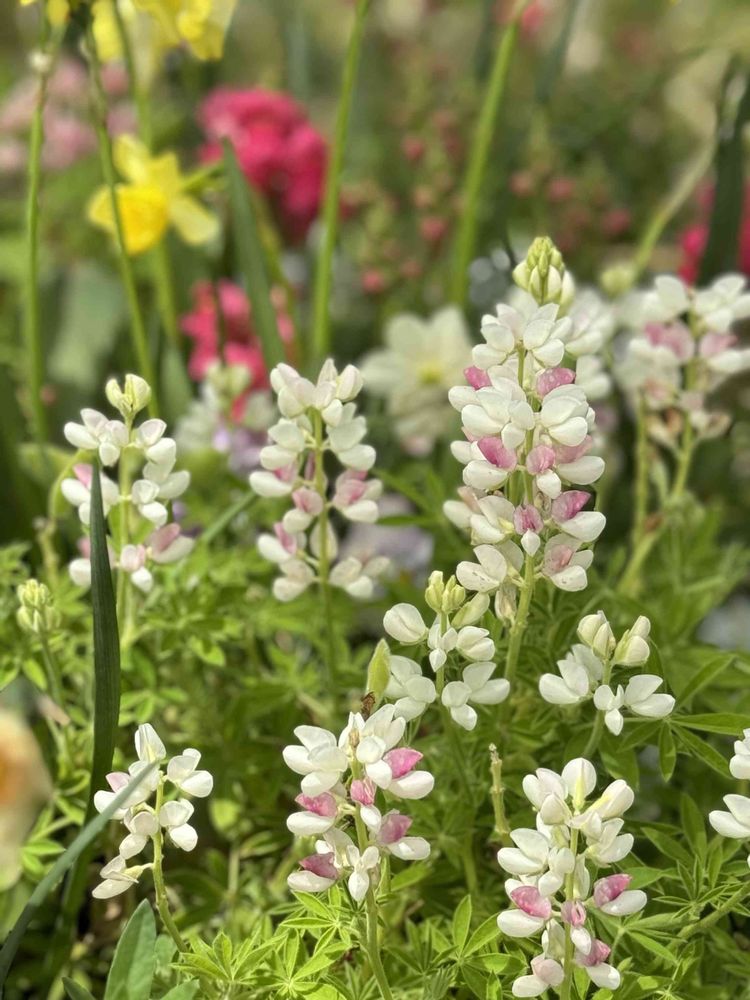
(154, 197)
(148, 42)
(202, 24)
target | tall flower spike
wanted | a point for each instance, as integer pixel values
(317, 419)
(345, 778)
(146, 821)
(143, 535)
(551, 882)
(528, 433)
(735, 822)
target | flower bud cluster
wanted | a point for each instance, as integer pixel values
(551, 876)
(455, 645)
(342, 782)
(37, 613)
(528, 431)
(586, 672)
(155, 539)
(735, 823)
(318, 419)
(145, 822)
(683, 349)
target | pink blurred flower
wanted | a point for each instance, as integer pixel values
(279, 151)
(242, 345)
(694, 238)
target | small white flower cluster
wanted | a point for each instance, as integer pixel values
(682, 349)
(119, 441)
(145, 822)
(421, 360)
(587, 669)
(735, 823)
(528, 429)
(341, 782)
(551, 885)
(316, 419)
(452, 639)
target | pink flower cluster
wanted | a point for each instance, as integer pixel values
(279, 151)
(242, 347)
(68, 136)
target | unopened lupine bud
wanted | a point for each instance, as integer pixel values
(129, 400)
(596, 633)
(633, 649)
(434, 591)
(454, 596)
(37, 613)
(543, 273)
(379, 670)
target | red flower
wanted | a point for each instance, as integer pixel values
(279, 151)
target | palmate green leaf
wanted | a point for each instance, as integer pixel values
(728, 723)
(462, 923)
(697, 747)
(252, 260)
(87, 835)
(132, 970)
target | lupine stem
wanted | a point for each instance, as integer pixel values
(32, 326)
(322, 292)
(497, 794)
(162, 902)
(716, 915)
(137, 325)
(518, 627)
(640, 505)
(479, 156)
(324, 565)
(123, 578)
(161, 265)
(372, 943)
(598, 727)
(565, 988)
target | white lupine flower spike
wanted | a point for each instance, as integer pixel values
(346, 777)
(149, 817)
(551, 870)
(148, 494)
(318, 419)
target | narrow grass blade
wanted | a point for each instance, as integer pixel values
(724, 228)
(106, 713)
(106, 646)
(252, 260)
(68, 858)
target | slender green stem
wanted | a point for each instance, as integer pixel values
(162, 902)
(568, 965)
(137, 325)
(32, 327)
(324, 565)
(640, 505)
(161, 265)
(479, 156)
(372, 942)
(497, 794)
(52, 669)
(715, 916)
(322, 291)
(518, 627)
